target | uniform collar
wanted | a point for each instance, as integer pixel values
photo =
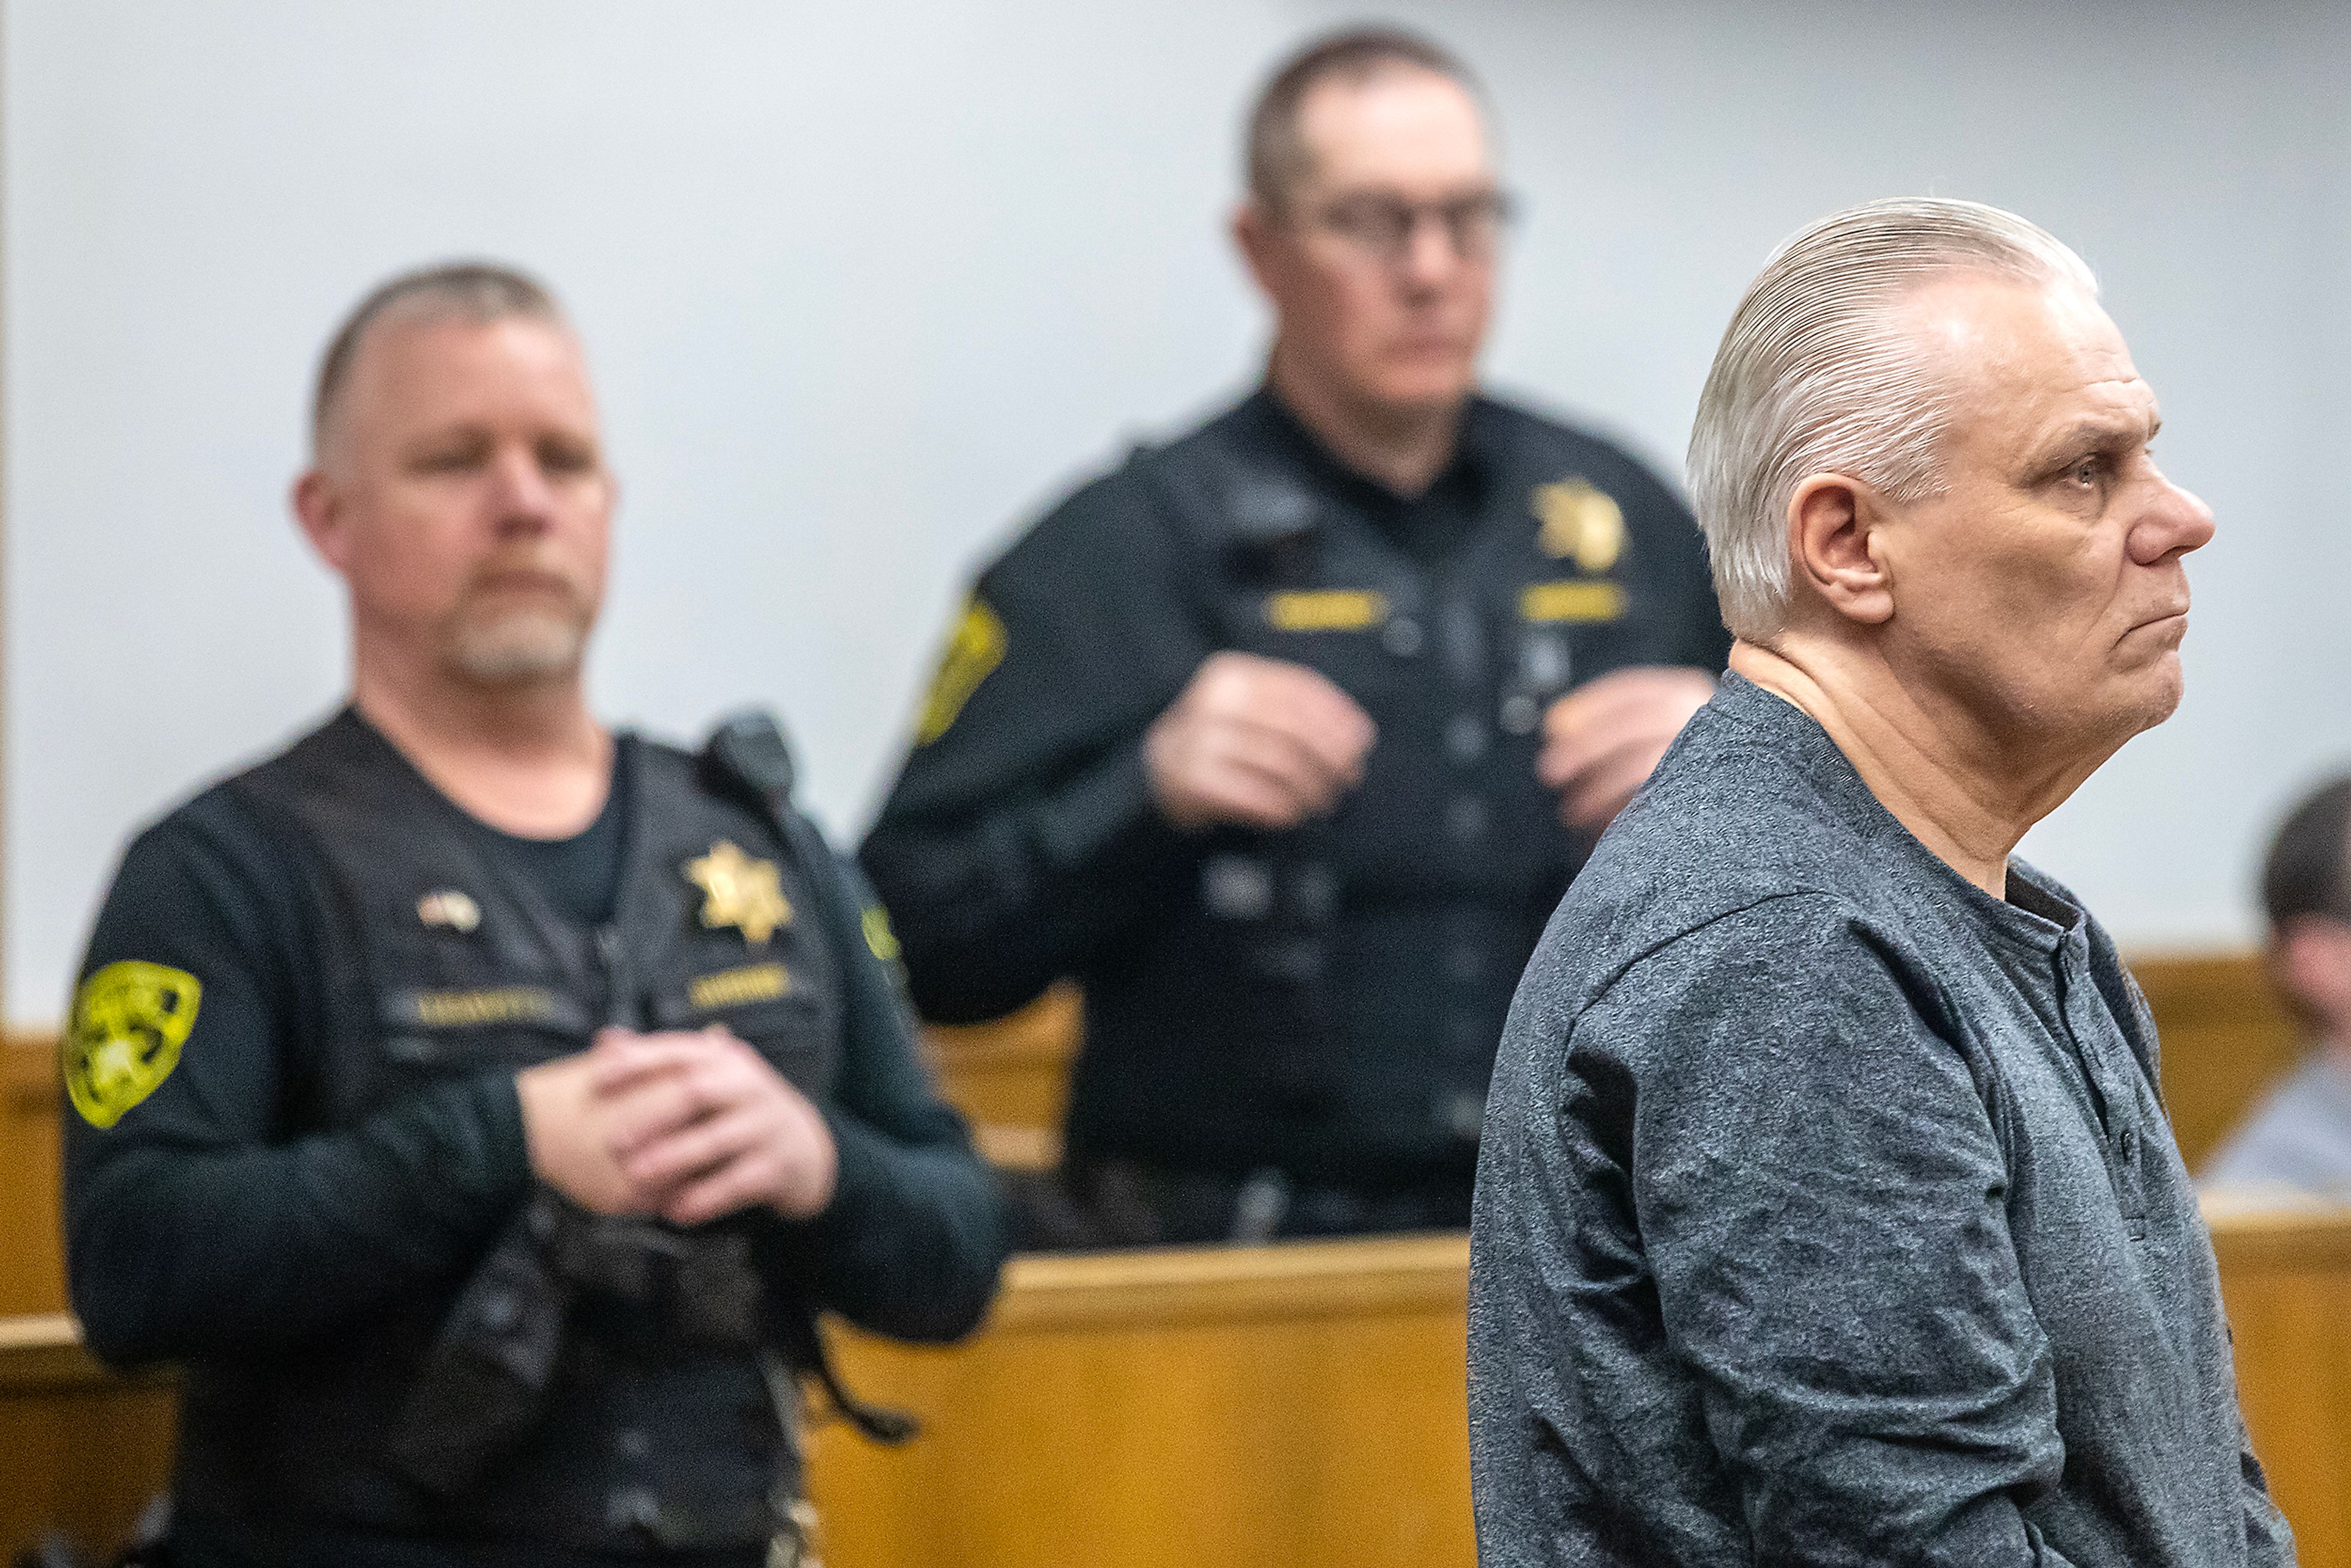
(1468, 468)
(1429, 526)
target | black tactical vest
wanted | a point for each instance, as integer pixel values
(1332, 996)
(440, 961)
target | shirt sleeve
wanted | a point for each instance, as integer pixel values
(1820, 1192)
(199, 1221)
(915, 1236)
(1021, 840)
(2269, 1541)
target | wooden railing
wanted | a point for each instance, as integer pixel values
(1250, 1407)
(82, 1449)
(2287, 1280)
(32, 1277)
(1246, 1406)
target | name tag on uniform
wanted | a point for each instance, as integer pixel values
(1326, 610)
(733, 988)
(486, 1009)
(1571, 599)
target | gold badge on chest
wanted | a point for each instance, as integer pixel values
(738, 891)
(1580, 523)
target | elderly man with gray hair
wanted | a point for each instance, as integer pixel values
(1827, 1212)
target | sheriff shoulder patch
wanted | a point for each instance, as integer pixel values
(972, 655)
(879, 938)
(130, 1020)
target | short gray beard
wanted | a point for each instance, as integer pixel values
(520, 648)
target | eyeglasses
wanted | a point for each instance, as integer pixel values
(1383, 228)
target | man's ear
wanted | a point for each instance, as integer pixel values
(320, 511)
(1253, 231)
(1832, 523)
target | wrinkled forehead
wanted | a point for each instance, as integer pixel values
(1399, 128)
(2025, 362)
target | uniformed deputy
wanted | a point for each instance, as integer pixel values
(1285, 739)
(478, 1101)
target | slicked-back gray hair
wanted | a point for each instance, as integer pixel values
(1818, 375)
(477, 291)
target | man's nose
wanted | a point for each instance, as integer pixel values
(521, 495)
(2174, 523)
(1431, 255)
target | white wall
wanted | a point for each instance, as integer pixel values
(863, 285)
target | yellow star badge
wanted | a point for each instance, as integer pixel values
(740, 892)
(1581, 522)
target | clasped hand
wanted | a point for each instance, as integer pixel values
(1602, 740)
(688, 1125)
(1267, 743)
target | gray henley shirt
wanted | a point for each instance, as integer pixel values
(1827, 1212)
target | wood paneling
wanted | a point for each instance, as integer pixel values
(1277, 1405)
(1268, 1407)
(2287, 1280)
(1234, 1407)
(32, 1273)
(81, 1449)
(1013, 1071)
(1247, 1407)
(2225, 1039)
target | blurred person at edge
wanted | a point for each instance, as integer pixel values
(478, 1101)
(1284, 738)
(1828, 1212)
(2298, 1140)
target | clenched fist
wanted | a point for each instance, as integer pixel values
(1257, 742)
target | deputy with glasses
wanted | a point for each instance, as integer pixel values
(1284, 738)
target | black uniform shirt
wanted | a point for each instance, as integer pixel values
(581, 875)
(1325, 1001)
(218, 1216)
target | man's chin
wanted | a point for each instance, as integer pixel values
(1415, 397)
(2157, 689)
(519, 650)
